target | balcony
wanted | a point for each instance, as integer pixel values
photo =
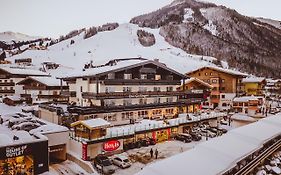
(112, 95)
(141, 82)
(49, 96)
(25, 87)
(7, 84)
(106, 109)
(68, 93)
(90, 95)
(7, 91)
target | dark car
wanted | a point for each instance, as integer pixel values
(195, 136)
(186, 138)
(103, 164)
(144, 142)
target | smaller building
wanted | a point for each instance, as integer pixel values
(12, 100)
(43, 89)
(254, 85)
(30, 143)
(251, 105)
(90, 129)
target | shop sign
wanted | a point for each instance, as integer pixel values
(15, 151)
(111, 145)
(84, 151)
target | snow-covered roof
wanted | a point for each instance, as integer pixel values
(48, 81)
(245, 99)
(242, 117)
(23, 71)
(43, 127)
(253, 80)
(228, 71)
(92, 123)
(14, 97)
(199, 81)
(118, 66)
(219, 154)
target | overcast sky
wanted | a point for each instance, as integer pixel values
(56, 17)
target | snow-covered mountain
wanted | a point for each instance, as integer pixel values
(121, 42)
(205, 28)
(12, 36)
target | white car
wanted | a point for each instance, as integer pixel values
(121, 161)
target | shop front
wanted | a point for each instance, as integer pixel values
(27, 159)
(161, 135)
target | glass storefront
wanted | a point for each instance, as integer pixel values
(22, 165)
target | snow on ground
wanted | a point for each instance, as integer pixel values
(119, 43)
(5, 109)
(65, 168)
(9, 36)
(165, 149)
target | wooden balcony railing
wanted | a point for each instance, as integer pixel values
(68, 93)
(7, 84)
(7, 91)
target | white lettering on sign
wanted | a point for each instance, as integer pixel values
(15, 151)
(111, 145)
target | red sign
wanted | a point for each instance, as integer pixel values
(111, 145)
(84, 151)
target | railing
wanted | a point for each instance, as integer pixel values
(139, 94)
(68, 93)
(7, 84)
(94, 109)
(50, 96)
(25, 87)
(141, 81)
(7, 91)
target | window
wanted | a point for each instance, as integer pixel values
(143, 101)
(222, 96)
(55, 93)
(211, 73)
(81, 89)
(157, 112)
(111, 76)
(40, 92)
(5, 81)
(224, 104)
(142, 114)
(142, 89)
(0, 81)
(127, 76)
(199, 74)
(109, 89)
(127, 102)
(157, 100)
(110, 117)
(11, 88)
(170, 111)
(157, 77)
(214, 81)
(208, 81)
(109, 103)
(127, 115)
(169, 88)
(127, 89)
(222, 80)
(156, 89)
(206, 73)
(222, 88)
(169, 99)
(143, 76)
(11, 81)
(170, 77)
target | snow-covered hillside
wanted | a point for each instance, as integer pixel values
(119, 43)
(9, 36)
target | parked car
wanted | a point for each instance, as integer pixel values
(195, 136)
(186, 138)
(222, 130)
(103, 164)
(121, 161)
(144, 142)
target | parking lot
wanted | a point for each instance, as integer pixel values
(140, 157)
